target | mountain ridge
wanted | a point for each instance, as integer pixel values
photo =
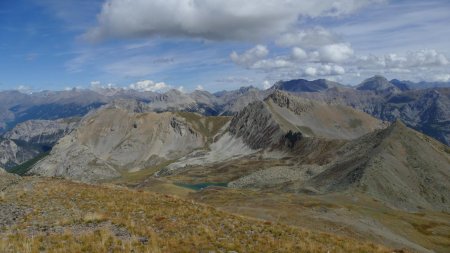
(423, 165)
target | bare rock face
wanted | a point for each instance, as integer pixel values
(46, 132)
(112, 141)
(256, 126)
(12, 153)
(298, 106)
(31, 138)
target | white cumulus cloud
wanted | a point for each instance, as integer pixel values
(326, 58)
(249, 57)
(414, 59)
(335, 52)
(324, 70)
(273, 64)
(299, 54)
(149, 85)
(211, 19)
(429, 57)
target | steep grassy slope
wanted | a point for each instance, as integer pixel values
(60, 216)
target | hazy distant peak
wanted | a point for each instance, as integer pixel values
(303, 85)
(376, 83)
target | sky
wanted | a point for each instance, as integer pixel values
(156, 45)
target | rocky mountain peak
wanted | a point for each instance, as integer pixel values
(303, 85)
(295, 104)
(246, 89)
(377, 83)
(255, 125)
(278, 95)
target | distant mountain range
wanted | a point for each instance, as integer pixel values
(16, 107)
(424, 109)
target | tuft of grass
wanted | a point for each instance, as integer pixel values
(93, 217)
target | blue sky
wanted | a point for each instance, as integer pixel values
(216, 45)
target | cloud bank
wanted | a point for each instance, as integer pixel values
(213, 19)
(339, 59)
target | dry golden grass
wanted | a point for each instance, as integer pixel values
(153, 223)
(339, 214)
(93, 217)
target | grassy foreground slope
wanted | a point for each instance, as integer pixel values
(51, 215)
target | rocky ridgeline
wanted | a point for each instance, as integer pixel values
(256, 126)
(283, 99)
